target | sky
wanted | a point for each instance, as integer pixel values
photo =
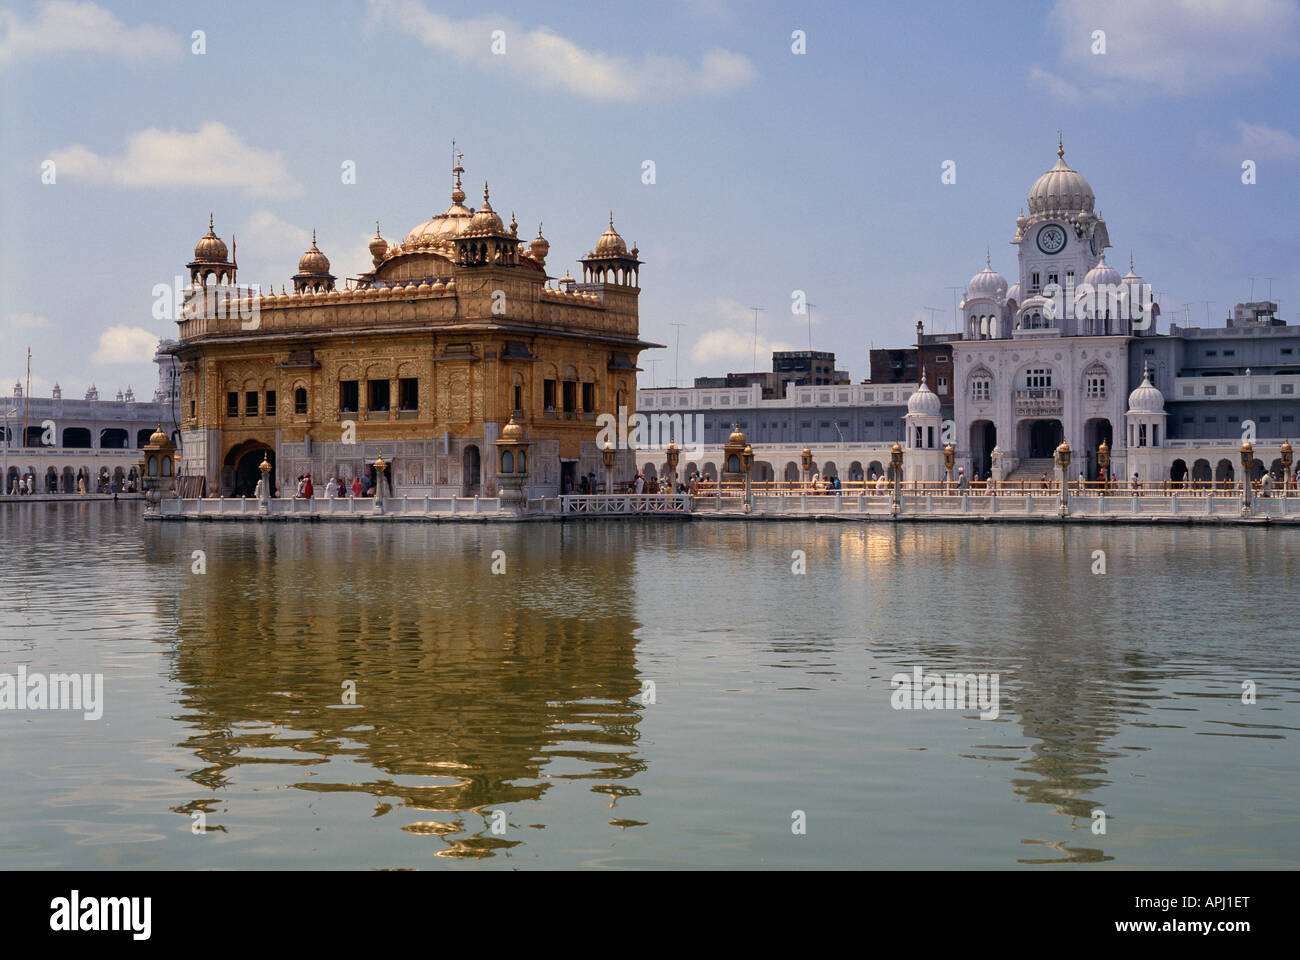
(756, 152)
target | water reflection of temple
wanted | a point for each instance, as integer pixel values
(472, 690)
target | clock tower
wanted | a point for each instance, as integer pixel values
(1060, 240)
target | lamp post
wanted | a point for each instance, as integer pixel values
(608, 455)
(265, 467)
(1247, 460)
(1103, 461)
(672, 455)
(949, 458)
(896, 461)
(1286, 467)
(380, 466)
(805, 460)
(747, 460)
(1063, 462)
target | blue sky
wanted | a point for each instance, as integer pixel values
(774, 171)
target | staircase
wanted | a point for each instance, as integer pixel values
(1032, 470)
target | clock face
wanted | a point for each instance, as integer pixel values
(1051, 239)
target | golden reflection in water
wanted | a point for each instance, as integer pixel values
(472, 690)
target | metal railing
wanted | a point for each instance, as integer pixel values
(1005, 488)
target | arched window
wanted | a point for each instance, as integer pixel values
(300, 400)
(507, 462)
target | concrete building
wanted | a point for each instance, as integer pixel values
(68, 440)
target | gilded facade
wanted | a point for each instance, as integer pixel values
(422, 360)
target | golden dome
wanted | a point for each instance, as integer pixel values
(737, 435)
(378, 246)
(313, 261)
(158, 438)
(610, 243)
(512, 432)
(540, 246)
(486, 219)
(449, 225)
(210, 248)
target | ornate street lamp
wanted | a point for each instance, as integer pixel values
(1063, 462)
(1103, 461)
(380, 467)
(608, 455)
(896, 461)
(1247, 461)
(672, 454)
(1286, 467)
(747, 460)
(806, 460)
(949, 458)
(265, 467)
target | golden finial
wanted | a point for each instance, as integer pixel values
(313, 238)
(377, 233)
(485, 191)
(209, 220)
(1060, 145)
(539, 228)
(611, 219)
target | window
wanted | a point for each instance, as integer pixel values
(378, 399)
(1211, 391)
(232, 404)
(191, 409)
(300, 400)
(1033, 283)
(868, 423)
(250, 403)
(1096, 388)
(1211, 419)
(1148, 352)
(1266, 419)
(1052, 279)
(1069, 278)
(1234, 419)
(936, 359)
(588, 396)
(519, 398)
(1286, 388)
(1038, 377)
(270, 403)
(1229, 353)
(981, 388)
(569, 395)
(408, 393)
(1189, 419)
(1288, 418)
(349, 396)
(1211, 353)
(548, 394)
(942, 384)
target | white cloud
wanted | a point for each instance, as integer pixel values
(212, 156)
(123, 344)
(65, 26)
(1256, 141)
(1173, 47)
(543, 58)
(25, 321)
(732, 342)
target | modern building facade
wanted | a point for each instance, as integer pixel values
(422, 360)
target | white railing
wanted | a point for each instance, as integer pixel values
(336, 507)
(623, 503)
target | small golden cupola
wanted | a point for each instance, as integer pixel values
(539, 248)
(487, 242)
(313, 274)
(378, 247)
(610, 262)
(211, 259)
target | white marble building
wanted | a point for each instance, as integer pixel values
(1042, 360)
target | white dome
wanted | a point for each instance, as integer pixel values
(1131, 277)
(1014, 292)
(1061, 190)
(987, 284)
(1103, 274)
(1146, 398)
(924, 402)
